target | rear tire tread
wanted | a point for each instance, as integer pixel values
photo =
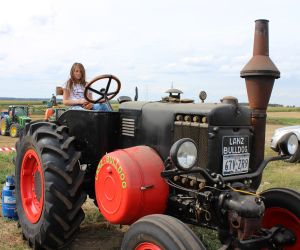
(63, 196)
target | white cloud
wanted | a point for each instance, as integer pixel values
(146, 43)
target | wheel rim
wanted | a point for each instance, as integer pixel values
(3, 127)
(147, 246)
(13, 131)
(32, 186)
(281, 216)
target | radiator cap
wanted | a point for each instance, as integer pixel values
(229, 100)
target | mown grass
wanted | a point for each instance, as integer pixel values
(10, 234)
(280, 174)
(6, 166)
(286, 121)
(283, 109)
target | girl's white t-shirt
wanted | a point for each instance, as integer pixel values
(77, 92)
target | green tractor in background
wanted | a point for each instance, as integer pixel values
(14, 120)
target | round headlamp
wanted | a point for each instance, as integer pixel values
(292, 144)
(183, 153)
(288, 144)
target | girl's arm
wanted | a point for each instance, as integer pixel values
(68, 102)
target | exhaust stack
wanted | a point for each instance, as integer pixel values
(259, 73)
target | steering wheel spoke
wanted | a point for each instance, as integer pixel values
(95, 91)
(108, 84)
(104, 93)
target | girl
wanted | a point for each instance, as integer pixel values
(74, 88)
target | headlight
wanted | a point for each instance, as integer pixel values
(289, 144)
(183, 153)
(292, 144)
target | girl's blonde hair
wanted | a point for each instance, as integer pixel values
(73, 80)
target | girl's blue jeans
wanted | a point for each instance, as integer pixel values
(96, 106)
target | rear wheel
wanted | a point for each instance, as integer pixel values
(14, 130)
(283, 208)
(160, 232)
(4, 126)
(48, 186)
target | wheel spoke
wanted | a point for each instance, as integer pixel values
(108, 85)
(93, 90)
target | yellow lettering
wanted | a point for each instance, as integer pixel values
(114, 163)
(120, 170)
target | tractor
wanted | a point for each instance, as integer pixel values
(14, 120)
(158, 167)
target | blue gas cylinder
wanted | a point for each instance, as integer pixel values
(9, 209)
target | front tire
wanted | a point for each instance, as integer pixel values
(14, 130)
(160, 232)
(283, 208)
(48, 186)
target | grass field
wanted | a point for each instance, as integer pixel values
(277, 174)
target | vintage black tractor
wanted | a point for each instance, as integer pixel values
(14, 120)
(158, 165)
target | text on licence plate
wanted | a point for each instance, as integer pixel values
(235, 164)
(235, 150)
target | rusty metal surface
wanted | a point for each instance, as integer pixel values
(259, 89)
(260, 63)
(258, 143)
(259, 73)
(244, 228)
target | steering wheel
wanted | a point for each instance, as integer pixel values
(103, 95)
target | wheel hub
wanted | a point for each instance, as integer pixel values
(32, 186)
(147, 246)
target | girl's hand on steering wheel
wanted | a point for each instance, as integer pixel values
(87, 105)
(82, 101)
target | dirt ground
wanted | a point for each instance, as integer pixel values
(7, 141)
(98, 236)
(284, 114)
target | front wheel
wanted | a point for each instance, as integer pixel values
(160, 232)
(14, 130)
(283, 208)
(48, 186)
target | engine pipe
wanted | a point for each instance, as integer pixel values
(259, 73)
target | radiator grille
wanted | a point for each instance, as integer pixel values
(128, 127)
(199, 133)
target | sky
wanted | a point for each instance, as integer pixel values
(192, 45)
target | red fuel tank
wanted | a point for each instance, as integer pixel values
(128, 185)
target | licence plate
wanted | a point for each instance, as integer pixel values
(235, 164)
(235, 155)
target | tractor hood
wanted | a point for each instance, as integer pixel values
(218, 114)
